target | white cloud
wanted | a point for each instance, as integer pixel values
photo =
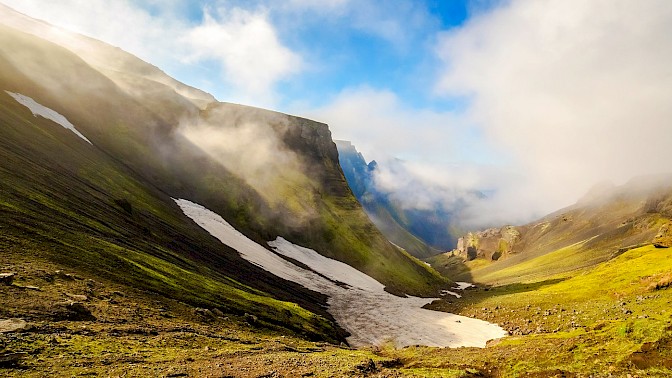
(246, 44)
(577, 91)
(382, 126)
(243, 43)
(433, 145)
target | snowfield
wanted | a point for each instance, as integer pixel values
(363, 308)
(43, 111)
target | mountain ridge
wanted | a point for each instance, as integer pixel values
(113, 197)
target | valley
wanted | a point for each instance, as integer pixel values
(149, 230)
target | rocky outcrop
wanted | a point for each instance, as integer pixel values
(664, 237)
(491, 244)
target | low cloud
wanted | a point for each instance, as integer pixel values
(381, 126)
(427, 159)
(248, 142)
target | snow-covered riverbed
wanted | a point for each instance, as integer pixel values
(363, 308)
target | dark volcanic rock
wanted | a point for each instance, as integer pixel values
(7, 278)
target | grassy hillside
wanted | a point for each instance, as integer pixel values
(592, 231)
(145, 131)
(613, 319)
(63, 201)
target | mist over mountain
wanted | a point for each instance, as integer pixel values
(148, 229)
(420, 216)
(97, 146)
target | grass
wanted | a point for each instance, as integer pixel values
(596, 322)
(64, 209)
(140, 333)
(561, 262)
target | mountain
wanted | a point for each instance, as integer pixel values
(147, 229)
(96, 196)
(603, 224)
(420, 231)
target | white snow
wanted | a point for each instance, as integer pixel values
(43, 111)
(371, 315)
(446, 292)
(463, 285)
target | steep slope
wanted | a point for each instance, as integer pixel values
(603, 224)
(421, 232)
(127, 71)
(105, 207)
(64, 201)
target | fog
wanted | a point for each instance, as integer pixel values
(248, 142)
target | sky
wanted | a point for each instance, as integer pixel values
(531, 101)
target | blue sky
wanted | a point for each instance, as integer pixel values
(533, 100)
(339, 54)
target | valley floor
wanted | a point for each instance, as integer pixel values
(612, 320)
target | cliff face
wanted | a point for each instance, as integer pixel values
(402, 227)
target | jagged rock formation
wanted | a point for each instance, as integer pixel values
(492, 244)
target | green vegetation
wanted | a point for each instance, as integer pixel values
(614, 318)
(68, 211)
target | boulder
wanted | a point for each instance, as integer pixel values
(13, 325)
(664, 237)
(7, 278)
(74, 311)
(78, 297)
(12, 358)
(204, 312)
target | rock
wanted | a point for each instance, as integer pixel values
(204, 312)
(251, 319)
(77, 297)
(367, 367)
(217, 312)
(177, 374)
(13, 325)
(7, 278)
(12, 358)
(664, 237)
(67, 276)
(79, 311)
(74, 311)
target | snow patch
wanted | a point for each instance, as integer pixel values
(43, 111)
(331, 268)
(463, 285)
(364, 309)
(447, 292)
